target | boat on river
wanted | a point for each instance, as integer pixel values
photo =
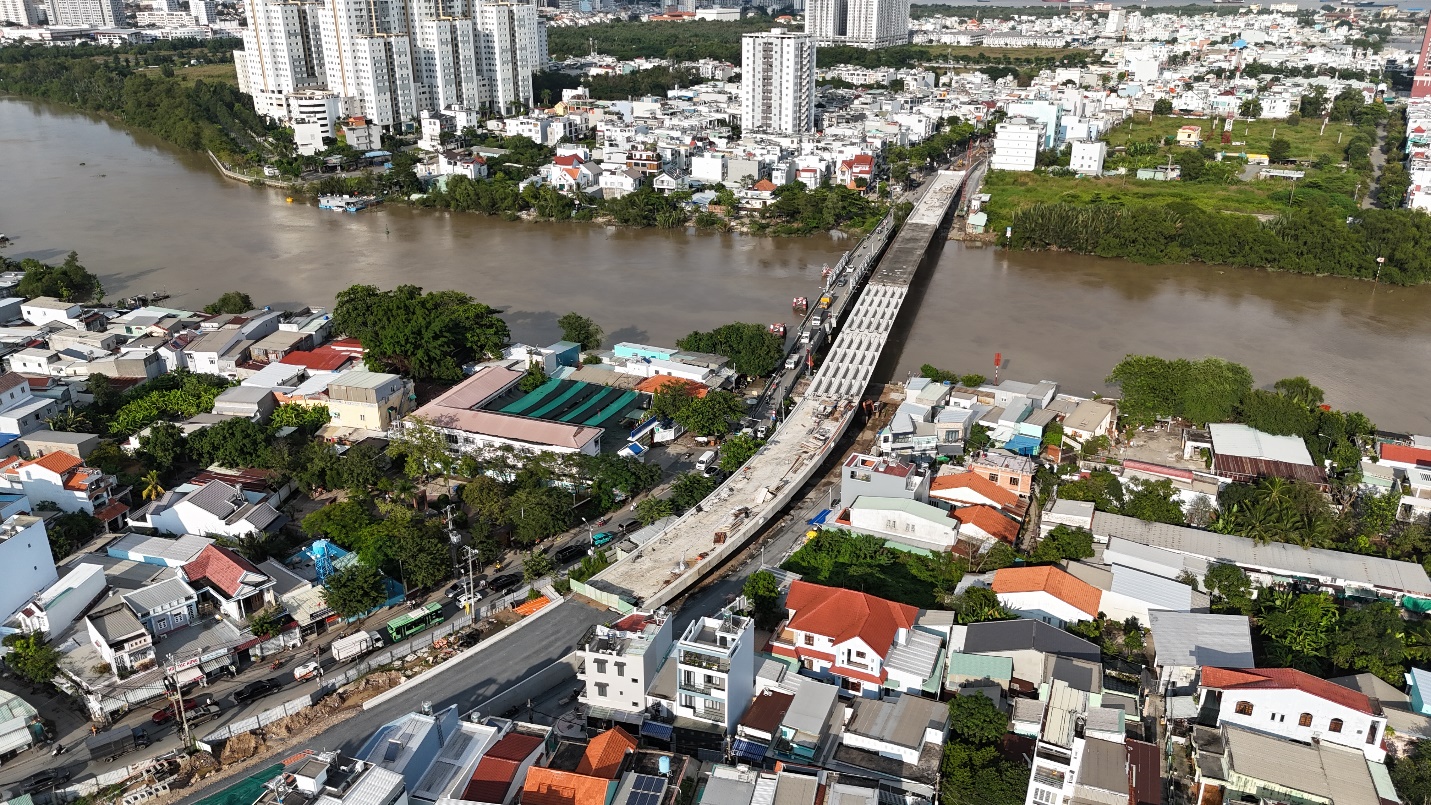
(346, 203)
(778, 328)
(800, 303)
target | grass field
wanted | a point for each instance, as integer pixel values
(1307, 139)
(209, 72)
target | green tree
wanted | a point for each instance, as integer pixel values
(975, 719)
(1279, 150)
(306, 418)
(652, 509)
(425, 336)
(1064, 542)
(1153, 501)
(31, 658)
(69, 532)
(1411, 772)
(163, 446)
(265, 623)
(1230, 588)
(232, 302)
(343, 522)
(69, 421)
(486, 499)
(533, 378)
(690, 488)
(423, 449)
(535, 565)
(579, 329)
(236, 443)
(1370, 638)
(979, 604)
(712, 414)
(354, 590)
(1162, 106)
(753, 350)
(1300, 630)
(1250, 108)
(762, 591)
(539, 513)
(737, 450)
(1101, 488)
(69, 281)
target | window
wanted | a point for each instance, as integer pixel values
(1244, 708)
(601, 689)
(1371, 733)
(1305, 720)
(1336, 725)
(601, 666)
(621, 669)
(1014, 482)
(1043, 796)
(809, 640)
(994, 476)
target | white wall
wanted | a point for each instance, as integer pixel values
(1043, 606)
(29, 567)
(1277, 712)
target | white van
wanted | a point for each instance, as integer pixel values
(816, 319)
(706, 461)
(792, 361)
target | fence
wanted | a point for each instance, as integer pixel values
(391, 655)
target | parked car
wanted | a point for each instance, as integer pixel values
(206, 713)
(504, 582)
(43, 779)
(571, 552)
(167, 714)
(629, 526)
(257, 690)
(603, 537)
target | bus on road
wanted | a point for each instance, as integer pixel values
(420, 618)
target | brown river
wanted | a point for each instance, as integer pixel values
(147, 217)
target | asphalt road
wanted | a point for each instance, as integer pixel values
(477, 678)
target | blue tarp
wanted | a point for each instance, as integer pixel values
(1022, 445)
(819, 519)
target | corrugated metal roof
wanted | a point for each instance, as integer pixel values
(1327, 771)
(979, 666)
(1195, 639)
(1155, 591)
(1275, 557)
(918, 656)
(155, 596)
(811, 707)
(1231, 439)
(1105, 766)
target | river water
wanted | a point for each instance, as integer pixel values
(147, 217)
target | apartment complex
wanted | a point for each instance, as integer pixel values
(389, 61)
(862, 23)
(778, 82)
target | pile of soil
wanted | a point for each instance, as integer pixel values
(309, 720)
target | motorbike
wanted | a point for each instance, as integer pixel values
(275, 665)
(58, 750)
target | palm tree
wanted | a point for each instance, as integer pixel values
(152, 487)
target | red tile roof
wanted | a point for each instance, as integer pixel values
(974, 482)
(327, 358)
(498, 769)
(1406, 454)
(10, 380)
(841, 614)
(57, 462)
(764, 186)
(1285, 679)
(655, 383)
(989, 520)
(1048, 579)
(220, 567)
(604, 754)
(546, 786)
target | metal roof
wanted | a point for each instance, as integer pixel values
(1194, 639)
(1326, 771)
(1156, 591)
(148, 599)
(1240, 440)
(1277, 558)
(979, 666)
(902, 722)
(1105, 766)
(918, 657)
(811, 707)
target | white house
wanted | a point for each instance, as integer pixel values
(64, 480)
(1086, 157)
(1016, 144)
(715, 670)
(1091, 419)
(25, 556)
(618, 182)
(164, 606)
(853, 638)
(43, 310)
(231, 582)
(214, 508)
(21, 412)
(53, 610)
(1047, 593)
(621, 662)
(1295, 705)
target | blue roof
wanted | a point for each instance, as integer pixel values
(1023, 445)
(378, 154)
(1241, 43)
(819, 519)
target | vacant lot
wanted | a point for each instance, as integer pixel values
(209, 72)
(1307, 139)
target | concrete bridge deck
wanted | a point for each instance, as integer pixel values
(703, 538)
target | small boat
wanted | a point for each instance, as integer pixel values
(778, 328)
(826, 271)
(800, 303)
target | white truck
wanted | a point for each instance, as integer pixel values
(356, 645)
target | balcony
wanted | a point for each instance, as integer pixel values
(696, 659)
(703, 688)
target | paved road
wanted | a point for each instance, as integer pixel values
(477, 678)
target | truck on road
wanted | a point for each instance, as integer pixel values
(111, 744)
(356, 645)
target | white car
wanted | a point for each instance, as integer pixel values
(306, 670)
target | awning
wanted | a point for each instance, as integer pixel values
(819, 519)
(750, 751)
(191, 674)
(656, 729)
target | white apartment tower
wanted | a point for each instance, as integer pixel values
(513, 46)
(97, 13)
(20, 12)
(861, 23)
(206, 12)
(282, 53)
(777, 83)
(1016, 144)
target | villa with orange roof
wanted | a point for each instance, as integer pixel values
(864, 643)
(64, 480)
(1294, 705)
(1047, 593)
(955, 489)
(597, 774)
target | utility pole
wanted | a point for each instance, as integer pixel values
(178, 696)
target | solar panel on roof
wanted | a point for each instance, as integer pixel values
(646, 789)
(394, 747)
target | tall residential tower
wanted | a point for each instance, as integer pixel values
(777, 82)
(861, 23)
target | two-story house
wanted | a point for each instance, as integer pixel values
(369, 400)
(22, 412)
(865, 475)
(621, 662)
(1014, 473)
(64, 480)
(854, 639)
(230, 582)
(119, 636)
(1047, 593)
(1295, 705)
(214, 508)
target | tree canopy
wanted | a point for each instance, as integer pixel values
(753, 350)
(579, 329)
(354, 590)
(426, 336)
(69, 281)
(232, 302)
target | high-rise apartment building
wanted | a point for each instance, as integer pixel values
(777, 82)
(282, 53)
(206, 12)
(1421, 84)
(98, 13)
(391, 59)
(861, 23)
(19, 12)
